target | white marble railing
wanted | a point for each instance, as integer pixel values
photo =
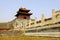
(49, 34)
(43, 27)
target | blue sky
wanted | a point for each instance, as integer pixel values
(8, 8)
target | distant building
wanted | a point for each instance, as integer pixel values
(23, 16)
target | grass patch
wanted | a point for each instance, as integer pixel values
(27, 38)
